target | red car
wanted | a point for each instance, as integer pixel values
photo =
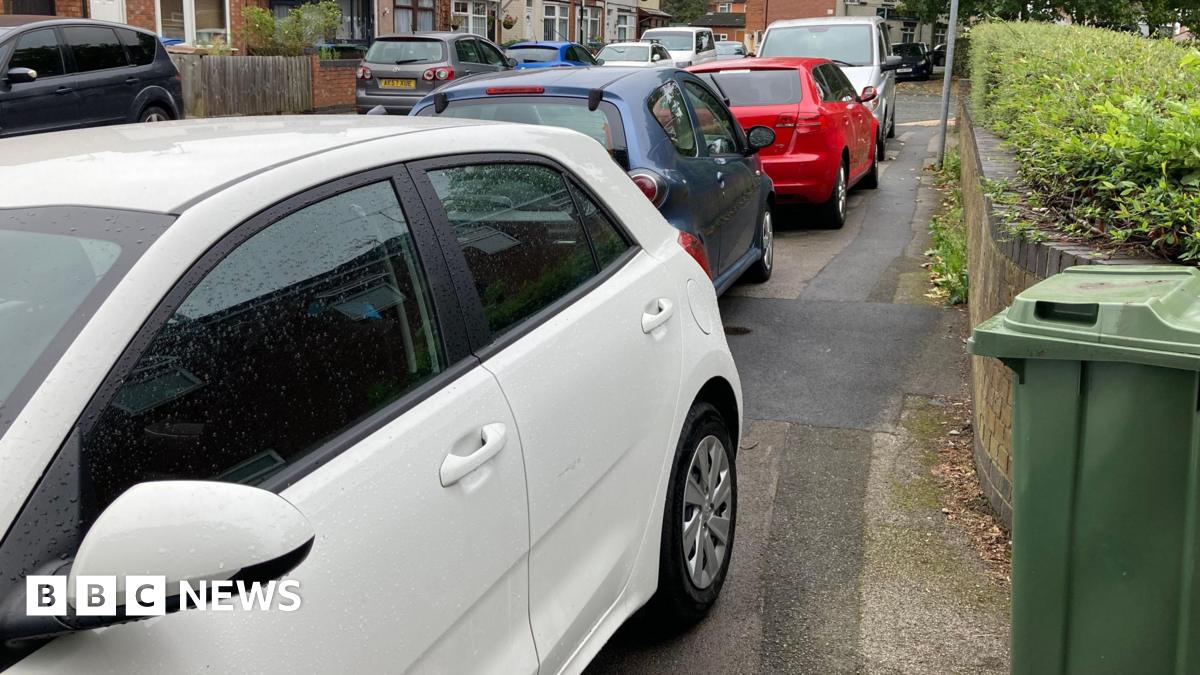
(824, 135)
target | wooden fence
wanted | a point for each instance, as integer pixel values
(218, 86)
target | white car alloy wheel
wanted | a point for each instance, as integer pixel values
(840, 190)
(706, 514)
(768, 240)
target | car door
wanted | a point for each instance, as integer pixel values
(858, 138)
(723, 147)
(318, 351)
(664, 56)
(100, 73)
(687, 170)
(470, 61)
(583, 332)
(50, 102)
(833, 109)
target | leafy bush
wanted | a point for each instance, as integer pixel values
(303, 27)
(1105, 126)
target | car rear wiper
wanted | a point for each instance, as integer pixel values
(404, 61)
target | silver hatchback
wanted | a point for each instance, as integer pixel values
(399, 70)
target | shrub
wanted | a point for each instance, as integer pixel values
(304, 27)
(948, 231)
(1105, 127)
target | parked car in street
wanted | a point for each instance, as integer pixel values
(399, 69)
(636, 55)
(824, 134)
(672, 134)
(70, 73)
(939, 54)
(688, 46)
(916, 62)
(730, 50)
(323, 334)
(550, 55)
(859, 45)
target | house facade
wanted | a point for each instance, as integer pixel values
(205, 22)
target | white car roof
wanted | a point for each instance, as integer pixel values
(165, 166)
(826, 20)
(626, 44)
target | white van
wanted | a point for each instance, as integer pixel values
(688, 46)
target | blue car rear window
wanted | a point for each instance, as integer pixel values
(534, 54)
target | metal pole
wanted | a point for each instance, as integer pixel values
(950, 32)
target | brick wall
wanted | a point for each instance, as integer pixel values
(333, 84)
(760, 13)
(71, 8)
(140, 13)
(1000, 266)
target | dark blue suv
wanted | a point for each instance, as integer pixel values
(69, 73)
(673, 135)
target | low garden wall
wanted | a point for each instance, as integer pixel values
(1001, 265)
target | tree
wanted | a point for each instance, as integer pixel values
(1115, 14)
(685, 11)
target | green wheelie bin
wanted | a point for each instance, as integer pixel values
(1106, 469)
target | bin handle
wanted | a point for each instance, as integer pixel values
(1067, 312)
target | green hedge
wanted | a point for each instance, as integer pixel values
(1106, 127)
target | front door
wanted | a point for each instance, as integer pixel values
(582, 329)
(50, 102)
(323, 357)
(737, 183)
(108, 10)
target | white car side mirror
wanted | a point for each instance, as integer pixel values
(193, 531)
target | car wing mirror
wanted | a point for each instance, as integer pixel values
(21, 75)
(510, 62)
(182, 531)
(891, 62)
(759, 137)
(868, 94)
(599, 62)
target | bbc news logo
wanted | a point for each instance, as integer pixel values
(146, 595)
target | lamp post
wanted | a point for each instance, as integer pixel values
(949, 72)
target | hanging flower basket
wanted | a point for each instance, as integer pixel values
(508, 22)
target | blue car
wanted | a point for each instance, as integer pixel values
(672, 133)
(548, 54)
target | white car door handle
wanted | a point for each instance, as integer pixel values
(455, 467)
(651, 321)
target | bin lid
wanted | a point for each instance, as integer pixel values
(1140, 314)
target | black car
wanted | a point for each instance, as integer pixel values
(915, 61)
(69, 73)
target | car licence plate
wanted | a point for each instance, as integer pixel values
(904, 70)
(398, 84)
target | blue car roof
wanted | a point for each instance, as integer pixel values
(541, 43)
(617, 83)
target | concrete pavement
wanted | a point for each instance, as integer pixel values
(842, 562)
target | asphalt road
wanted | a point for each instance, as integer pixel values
(828, 351)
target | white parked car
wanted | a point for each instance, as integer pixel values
(688, 46)
(635, 55)
(460, 381)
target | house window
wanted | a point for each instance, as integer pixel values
(939, 34)
(909, 32)
(722, 36)
(725, 7)
(624, 27)
(555, 24)
(413, 15)
(198, 22)
(471, 17)
(589, 24)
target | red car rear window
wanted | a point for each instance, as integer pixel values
(756, 87)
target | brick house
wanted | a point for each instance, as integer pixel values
(726, 25)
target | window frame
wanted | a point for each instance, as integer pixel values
(484, 344)
(446, 312)
(739, 136)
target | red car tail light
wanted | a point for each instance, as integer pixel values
(493, 91)
(691, 243)
(651, 184)
(785, 120)
(432, 74)
(364, 73)
(809, 122)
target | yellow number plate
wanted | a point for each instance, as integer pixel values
(398, 84)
